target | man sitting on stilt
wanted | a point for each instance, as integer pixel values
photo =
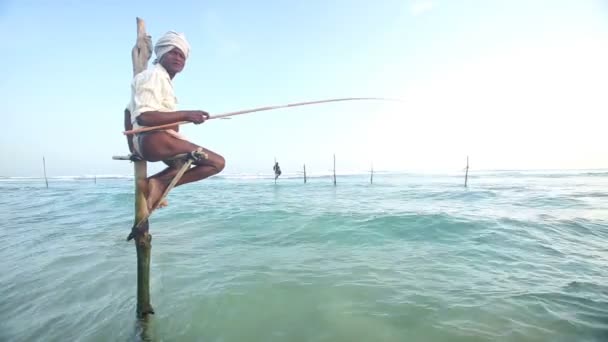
(153, 103)
(277, 170)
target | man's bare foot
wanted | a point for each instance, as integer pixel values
(155, 190)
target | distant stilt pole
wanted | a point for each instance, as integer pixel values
(466, 175)
(44, 168)
(304, 173)
(371, 176)
(95, 179)
(334, 169)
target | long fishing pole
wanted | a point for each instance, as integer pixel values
(246, 111)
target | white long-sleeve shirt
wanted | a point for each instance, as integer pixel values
(151, 90)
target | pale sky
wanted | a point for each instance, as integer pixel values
(513, 84)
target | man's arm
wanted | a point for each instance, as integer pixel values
(157, 118)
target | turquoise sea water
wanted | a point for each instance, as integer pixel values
(519, 256)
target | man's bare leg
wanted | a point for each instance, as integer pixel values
(160, 145)
(199, 172)
(156, 187)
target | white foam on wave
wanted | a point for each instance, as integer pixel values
(292, 175)
(353, 173)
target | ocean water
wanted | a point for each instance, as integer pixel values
(518, 256)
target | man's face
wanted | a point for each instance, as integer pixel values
(174, 61)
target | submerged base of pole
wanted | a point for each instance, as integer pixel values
(143, 245)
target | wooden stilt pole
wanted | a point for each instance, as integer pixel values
(304, 173)
(371, 176)
(143, 242)
(466, 175)
(334, 169)
(140, 56)
(44, 168)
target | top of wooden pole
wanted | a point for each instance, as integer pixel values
(141, 27)
(142, 51)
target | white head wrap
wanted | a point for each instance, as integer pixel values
(169, 41)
